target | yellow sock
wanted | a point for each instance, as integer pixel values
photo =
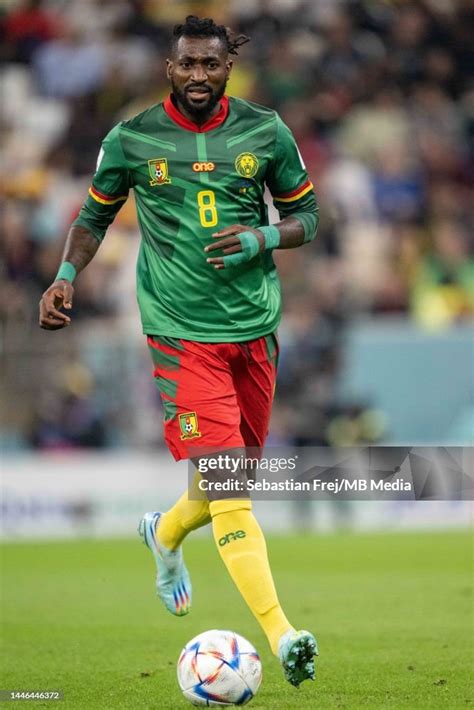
(242, 547)
(184, 516)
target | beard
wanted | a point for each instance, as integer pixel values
(205, 107)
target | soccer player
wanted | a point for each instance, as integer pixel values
(209, 296)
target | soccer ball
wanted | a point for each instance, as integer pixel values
(219, 668)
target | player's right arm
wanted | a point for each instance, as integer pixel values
(81, 245)
(107, 194)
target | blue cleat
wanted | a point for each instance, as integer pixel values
(173, 584)
(296, 651)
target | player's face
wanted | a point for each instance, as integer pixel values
(198, 71)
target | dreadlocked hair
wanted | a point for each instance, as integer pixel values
(206, 27)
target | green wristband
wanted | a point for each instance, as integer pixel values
(67, 271)
(272, 236)
(251, 246)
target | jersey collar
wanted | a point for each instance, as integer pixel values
(176, 116)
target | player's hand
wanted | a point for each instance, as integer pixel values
(230, 242)
(58, 295)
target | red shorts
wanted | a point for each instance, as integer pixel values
(215, 395)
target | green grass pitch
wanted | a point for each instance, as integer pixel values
(392, 614)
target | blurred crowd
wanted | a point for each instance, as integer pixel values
(380, 99)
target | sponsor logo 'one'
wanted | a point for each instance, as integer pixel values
(231, 536)
(204, 167)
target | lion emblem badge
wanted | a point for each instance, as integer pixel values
(246, 165)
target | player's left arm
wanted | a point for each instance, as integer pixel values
(293, 196)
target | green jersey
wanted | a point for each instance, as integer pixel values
(190, 182)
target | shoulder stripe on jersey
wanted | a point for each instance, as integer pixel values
(143, 138)
(248, 134)
(105, 199)
(295, 194)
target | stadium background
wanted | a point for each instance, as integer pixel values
(376, 344)
(376, 337)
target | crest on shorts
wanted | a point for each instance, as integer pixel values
(158, 169)
(246, 165)
(188, 423)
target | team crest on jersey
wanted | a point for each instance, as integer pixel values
(188, 423)
(158, 169)
(246, 165)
